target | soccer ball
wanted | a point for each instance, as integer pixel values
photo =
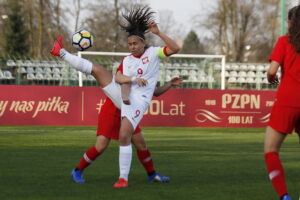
(82, 40)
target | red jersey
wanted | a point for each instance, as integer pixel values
(288, 91)
(109, 119)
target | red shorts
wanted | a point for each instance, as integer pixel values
(285, 119)
(109, 122)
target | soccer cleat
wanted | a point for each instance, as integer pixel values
(286, 197)
(77, 176)
(57, 46)
(121, 183)
(156, 177)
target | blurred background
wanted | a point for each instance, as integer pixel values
(244, 31)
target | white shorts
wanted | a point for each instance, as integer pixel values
(113, 91)
(135, 111)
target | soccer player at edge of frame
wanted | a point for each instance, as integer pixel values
(285, 114)
(109, 128)
(140, 69)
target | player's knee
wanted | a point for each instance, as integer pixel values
(124, 139)
(100, 147)
(101, 144)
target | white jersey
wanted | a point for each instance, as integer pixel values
(145, 67)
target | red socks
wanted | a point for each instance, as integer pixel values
(276, 172)
(146, 160)
(90, 155)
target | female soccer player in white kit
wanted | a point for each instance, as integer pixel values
(140, 68)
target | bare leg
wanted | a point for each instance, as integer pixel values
(102, 75)
(139, 142)
(273, 140)
(102, 143)
(126, 131)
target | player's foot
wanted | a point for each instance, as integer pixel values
(57, 46)
(121, 183)
(156, 177)
(77, 176)
(286, 197)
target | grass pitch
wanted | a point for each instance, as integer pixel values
(203, 163)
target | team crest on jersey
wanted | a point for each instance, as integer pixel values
(145, 60)
(140, 71)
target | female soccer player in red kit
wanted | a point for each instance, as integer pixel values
(108, 128)
(285, 115)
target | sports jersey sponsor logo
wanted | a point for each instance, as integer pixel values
(145, 60)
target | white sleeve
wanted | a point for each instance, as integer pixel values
(125, 68)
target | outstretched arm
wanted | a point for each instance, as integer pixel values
(121, 79)
(172, 47)
(162, 89)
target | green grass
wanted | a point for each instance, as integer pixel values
(204, 163)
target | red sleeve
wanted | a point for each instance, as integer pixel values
(278, 52)
(120, 68)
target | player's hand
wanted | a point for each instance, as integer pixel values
(153, 27)
(141, 82)
(176, 81)
(273, 80)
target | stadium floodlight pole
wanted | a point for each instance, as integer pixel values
(283, 17)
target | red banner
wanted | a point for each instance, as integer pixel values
(51, 105)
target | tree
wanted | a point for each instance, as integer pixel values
(192, 44)
(234, 25)
(230, 24)
(2, 19)
(45, 19)
(15, 32)
(267, 30)
(103, 22)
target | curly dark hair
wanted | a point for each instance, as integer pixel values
(294, 29)
(137, 21)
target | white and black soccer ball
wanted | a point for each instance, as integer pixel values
(82, 40)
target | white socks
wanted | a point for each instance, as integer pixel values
(125, 156)
(78, 63)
